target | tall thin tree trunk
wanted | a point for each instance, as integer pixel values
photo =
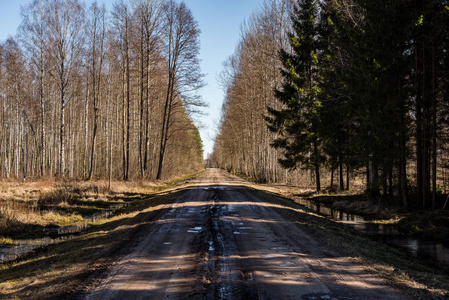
(419, 128)
(141, 127)
(42, 101)
(86, 129)
(124, 123)
(434, 127)
(425, 131)
(128, 88)
(147, 118)
(347, 178)
(390, 182)
(94, 135)
(110, 156)
(342, 184)
(332, 176)
(165, 123)
(317, 167)
(61, 169)
(95, 86)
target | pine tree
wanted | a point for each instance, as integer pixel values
(370, 61)
(336, 126)
(297, 123)
(430, 54)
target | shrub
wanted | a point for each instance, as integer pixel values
(8, 218)
(54, 197)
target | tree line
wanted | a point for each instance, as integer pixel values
(87, 93)
(249, 77)
(362, 88)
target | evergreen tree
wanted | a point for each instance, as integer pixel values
(430, 34)
(336, 119)
(297, 123)
(370, 59)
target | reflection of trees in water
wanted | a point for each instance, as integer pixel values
(388, 233)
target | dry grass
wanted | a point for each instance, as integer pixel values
(27, 220)
(54, 197)
(28, 208)
(8, 216)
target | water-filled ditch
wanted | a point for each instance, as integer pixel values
(387, 233)
(52, 236)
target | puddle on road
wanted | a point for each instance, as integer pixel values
(279, 248)
(323, 297)
(195, 229)
(211, 247)
(287, 264)
(191, 210)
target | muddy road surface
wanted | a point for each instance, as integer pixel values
(218, 241)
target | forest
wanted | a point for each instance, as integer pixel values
(91, 94)
(353, 90)
(328, 178)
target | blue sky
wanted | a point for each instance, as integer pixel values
(219, 21)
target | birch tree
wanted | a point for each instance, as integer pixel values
(32, 33)
(149, 20)
(123, 31)
(80, 92)
(64, 21)
(96, 32)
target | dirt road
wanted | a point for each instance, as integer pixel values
(218, 241)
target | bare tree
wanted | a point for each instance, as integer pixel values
(181, 48)
(123, 27)
(149, 19)
(32, 33)
(75, 96)
(249, 78)
(65, 21)
(96, 30)
(15, 108)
